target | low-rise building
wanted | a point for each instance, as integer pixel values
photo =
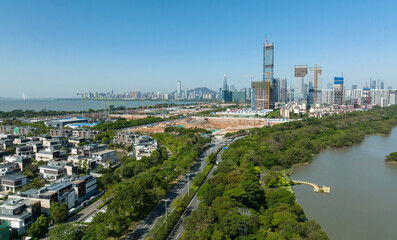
(72, 190)
(59, 132)
(24, 151)
(52, 173)
(105, 157)
(90, 149)
(10, 168)
(13, 182)
(22, 161)
(144, 146)
(65, 121)
(6, 143)
(49, 154)
(68, 165)
(20, 141)
(19, 213)
(125, 137)
(37, 145)
(85, 133)
(17, 130)
(77, 141)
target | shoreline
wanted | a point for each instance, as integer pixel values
(292, 169)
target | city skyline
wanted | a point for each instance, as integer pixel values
(57, 49)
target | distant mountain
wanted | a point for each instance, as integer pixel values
(204, 90)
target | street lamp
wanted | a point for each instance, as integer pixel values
(165, 202)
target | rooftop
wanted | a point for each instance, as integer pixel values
(103, 152)
(50, 167)
(13, 177)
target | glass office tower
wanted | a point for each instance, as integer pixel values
(268, 61)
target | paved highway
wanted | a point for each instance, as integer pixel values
(193, 205)
(180, 189)
(87, 212)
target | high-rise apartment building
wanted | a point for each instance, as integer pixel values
(314, 85)
(262, 95)
(299, 82)
(179, 89)
(327, 96)
(372, 83)
(283, 90)
(338, 91)
(381, 84)
(366, 97)
(268, 61)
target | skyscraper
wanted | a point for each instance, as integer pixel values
(315, 85)
(268, 61)
(225, 83)
(372, 84)
(262, 96)
(178, 90)
(299, 81)
(381, 84)
(338, 90)
(283, 90)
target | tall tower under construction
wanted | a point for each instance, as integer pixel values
(268, 61)
(263, 92)
(338, 91)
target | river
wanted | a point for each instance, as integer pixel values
(72, 104)
(363, 199)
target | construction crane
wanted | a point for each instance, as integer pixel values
(251, 76)
(82, 103)
(317, 71)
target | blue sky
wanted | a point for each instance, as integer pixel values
(58, 48)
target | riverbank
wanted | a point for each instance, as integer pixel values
(357, 208)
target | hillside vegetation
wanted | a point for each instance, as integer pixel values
(235, 204)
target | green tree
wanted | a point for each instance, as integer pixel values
(198, 179)
(58, 212)
(85, 164)
(64, 232)
(39, 228)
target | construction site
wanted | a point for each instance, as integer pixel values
(218, 125)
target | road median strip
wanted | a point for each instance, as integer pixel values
(164, 226)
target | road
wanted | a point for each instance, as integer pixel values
(193, 205)
(180, 189)
(85, 213)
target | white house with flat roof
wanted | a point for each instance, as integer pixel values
(52, 173)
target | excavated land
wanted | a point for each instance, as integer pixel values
(224, 124)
